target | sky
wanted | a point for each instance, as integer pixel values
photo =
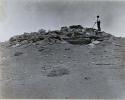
(19, 16)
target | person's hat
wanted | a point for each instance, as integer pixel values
(98, 16)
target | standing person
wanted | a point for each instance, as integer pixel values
(98, 23)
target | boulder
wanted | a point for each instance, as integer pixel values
(64, 29)
(42, 31)
(76, 27)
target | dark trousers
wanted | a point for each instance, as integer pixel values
(98, 26)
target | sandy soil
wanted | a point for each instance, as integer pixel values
(61, 71)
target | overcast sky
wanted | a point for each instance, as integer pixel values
(18, 16)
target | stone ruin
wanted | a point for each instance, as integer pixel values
(75, 34)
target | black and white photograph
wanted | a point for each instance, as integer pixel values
(62, 49)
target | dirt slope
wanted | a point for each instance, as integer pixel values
(63, 70)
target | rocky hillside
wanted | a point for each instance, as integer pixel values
(70, 63)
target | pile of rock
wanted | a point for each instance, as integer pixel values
(34, 37)
(73, 31)
(27, 38)
(74, 34)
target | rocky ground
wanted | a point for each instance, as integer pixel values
(58, 68)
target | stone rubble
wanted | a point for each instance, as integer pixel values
(75, 34)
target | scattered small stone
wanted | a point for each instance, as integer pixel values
(86, 78)
(64, 55)
(96, 42)
(58, 72)
(18, 53)
(41, 49)
(93, 62)
(67, 48)
(105, 51)
(16, 45)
